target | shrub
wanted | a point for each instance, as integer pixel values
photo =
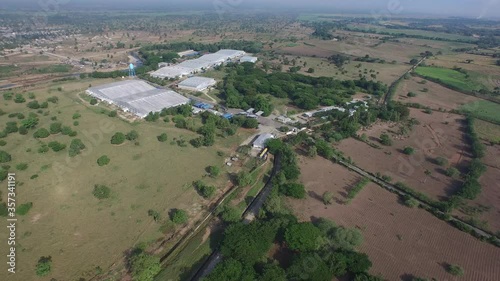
(144, 267)
(455, 270)
(23, 209)
(411, 94)
(44, 104)
(29, 123)
(243, 178)
(205, 190)
(295, 190)
(441, 161)
(53, 99)
(112, 113)
(327, 197)
(8, 96)
(11, 127)
(41, 133)
(93, 101)
(3, 143)
(33, 104)
(214, 171)
(302, 237)
(44, 266)
(76, 116)
(103, 160)
(56, 146)
(43, 149)
(452, 172)
(409, 150)
(4, 157)
(66, 130)
(20, 116)
(101, 191)
(385, 140)
(22, 166)
(23, 130)
(428, 111)
(118, 138)
(55, 128)
(76, 123)
(162, 137)
(75, 147)
(179, 216)
(19, 98)
(410, 202)
(132, 135)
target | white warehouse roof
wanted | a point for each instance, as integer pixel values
(137, 96)
(260, 142)
(248, 59)
(197, 83)
(196, 65)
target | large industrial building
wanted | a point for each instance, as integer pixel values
(137, 96)
(197, 65)
(197, 83)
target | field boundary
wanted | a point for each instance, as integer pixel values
(453, 221)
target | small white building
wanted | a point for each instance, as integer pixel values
(248, 59)
(261, 140)
(197, 83)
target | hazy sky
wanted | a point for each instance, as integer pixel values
(471, 8)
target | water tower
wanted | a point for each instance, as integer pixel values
(131, 70)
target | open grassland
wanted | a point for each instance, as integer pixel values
(435, 97)
(79, 231)
(437, 135)
(482, 69)
(450, 78)
(410, 32)
(482, 109)
(488, 131)
(401, 242)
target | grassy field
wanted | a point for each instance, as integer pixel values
(67, 222)
(485, 110)
(449, 77)
(488, 131)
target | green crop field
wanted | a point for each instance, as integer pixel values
(485, 110)
(449, 77)
(488, 131)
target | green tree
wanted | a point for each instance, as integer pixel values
(4, 157)
(272, 272)
(228, 270)
(302, 237)
(214, 171)
(56, 146)
(41, 133)
(310, 267)
(93, 101)
(75, 147)
(103, 160)
(144, 267)
(118, 138)
(132, 135)
(312, 151)
(441, 161)
(295, 190)
(101, 191)
(55, 128)
(452, 172)
(385, 140)
(44, 266)
(409, 150)
(327, 197)
(19, 98)
(162, 138)
(30, 122)
(179, 216)
(455, 270)
(243, 178)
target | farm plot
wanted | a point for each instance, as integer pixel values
(449, 77)
(80, 232)
(485, 210)
(488, 131)
(437, 135)
(433, 95)
(483, 109)
(401, 242)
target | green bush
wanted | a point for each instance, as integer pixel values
(409, 150)
(33, 104)
(3, 143)
(93, 101)
(101, 191)
(441, 161)
(30, 122)
(452, 172)
(55, 128)
(118, 138)
(410, 202)
(8, 96)
(205, 190)
(144, 267)
(214, 171)
(357, 188)
(75, 147)
(76, 116)
(22, 166)
(11, 127)
(112, 113)
(162, 138)
(179, 216)
(302, 237)
(385, 140)
(43, 149)
(23, 130)
(455, 270)
(41, 133)
(4, 157)
(103, 160)
(411, 94)
(23, 209)
(44, 266)
(132, 135)
(295, 190)
(44, 104)
(19, 98)
(56, 146)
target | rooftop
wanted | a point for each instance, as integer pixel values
(195, 82)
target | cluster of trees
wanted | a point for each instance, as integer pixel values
(321, 250)
(247, 46)
(119, 137)
(207, 191)
(75, 147)
(246, 86)
(369, 59)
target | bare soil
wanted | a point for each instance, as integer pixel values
(401, 242)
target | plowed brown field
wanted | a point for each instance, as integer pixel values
(401, 242)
